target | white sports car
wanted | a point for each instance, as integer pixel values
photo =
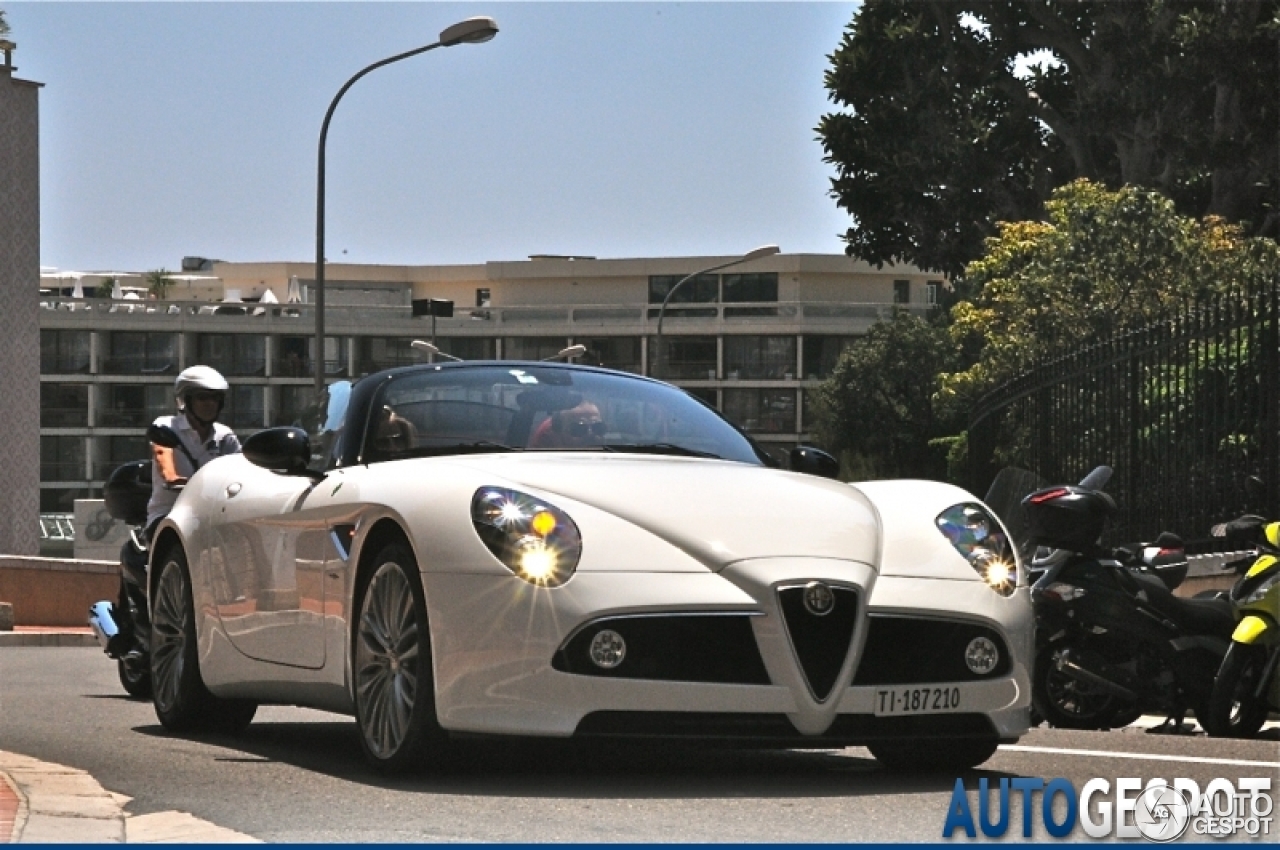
(543, 549)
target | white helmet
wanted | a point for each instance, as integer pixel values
(196, 379)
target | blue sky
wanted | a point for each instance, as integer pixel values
(602, 129)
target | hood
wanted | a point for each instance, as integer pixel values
(718, 512)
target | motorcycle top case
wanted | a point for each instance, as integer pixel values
(1067, 517)
(127, 492)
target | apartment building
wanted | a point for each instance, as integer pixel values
(752, 340)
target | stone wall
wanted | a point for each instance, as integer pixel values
(19, 318)
(55, 592)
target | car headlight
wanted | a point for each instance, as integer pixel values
(981, 541)
(535, 540)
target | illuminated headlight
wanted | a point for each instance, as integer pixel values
(981, 541)
(981, 656)
(535, 540)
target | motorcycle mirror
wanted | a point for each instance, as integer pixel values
(1097, 479)
(163, 435)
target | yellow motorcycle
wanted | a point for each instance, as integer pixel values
(1247, 687)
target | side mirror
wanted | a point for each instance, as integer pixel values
(163, 435)
(813, 461)
(283, 450)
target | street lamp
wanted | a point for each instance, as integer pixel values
(762, 251)
(470, 31)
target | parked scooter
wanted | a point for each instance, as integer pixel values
(123, 627)
(1247, 687)
(1113, 640)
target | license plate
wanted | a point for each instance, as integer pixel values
(918, 700)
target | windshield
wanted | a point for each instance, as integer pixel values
(480, 408)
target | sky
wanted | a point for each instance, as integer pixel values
(614, 129)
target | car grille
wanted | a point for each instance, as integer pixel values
(821, 642)
(910, 650)
(717, 648)
(846, 730)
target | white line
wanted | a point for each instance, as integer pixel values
(1140, 756)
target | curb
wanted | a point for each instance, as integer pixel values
(48, 638)
(52, 803)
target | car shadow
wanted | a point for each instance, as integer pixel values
(539, 768)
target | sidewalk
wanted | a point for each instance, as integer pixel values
(48, 636)
(42, 803)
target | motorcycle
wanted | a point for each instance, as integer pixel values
(1113, 641)
(123, 627)
(1247, 688)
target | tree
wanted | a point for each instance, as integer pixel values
(943, 132)
(878, 403)
(1105, 261)
(4, 25)
(158, 283)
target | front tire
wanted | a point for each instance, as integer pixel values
(394, 686)
(135, 676)
(934, 756)
(182, 702)
(1233, 711)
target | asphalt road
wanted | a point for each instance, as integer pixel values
(298, 775)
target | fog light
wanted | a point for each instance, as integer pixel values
(981, 656)
(607, 649)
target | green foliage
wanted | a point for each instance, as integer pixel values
(940, 134)
(877, 407)
(4, 25)
(159, 283)
(105, 289)
(1104, 262)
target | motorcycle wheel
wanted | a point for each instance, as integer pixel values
(134, 678)
(1233, 712)
(1068, 704)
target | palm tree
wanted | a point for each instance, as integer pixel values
(158, 283)
(4, 25)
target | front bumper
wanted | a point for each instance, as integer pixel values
(495, 640)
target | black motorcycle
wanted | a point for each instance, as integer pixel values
(1113, 640)
(123, 627)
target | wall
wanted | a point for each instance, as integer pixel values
(19, 320)
(55, 592)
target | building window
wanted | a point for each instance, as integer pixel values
(932, 291)
(821, 354)
(294, 355)
(294, 403)
(532, 347)
(62, 458)
(64, 352)
(233, 354)
(373, 354)
(703, 289)
(62, 500)
(761, 411)
(113, 452)
(483, 299)
(760, 357)
(468, 347)
(902, 292)
(133, 405)
(612, 352)
(245, 407)
(754, 286)
(134, 353)
(685, 357)
(64, 405)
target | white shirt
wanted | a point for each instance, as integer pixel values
(223, 441)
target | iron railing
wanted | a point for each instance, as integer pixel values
(1184, 410)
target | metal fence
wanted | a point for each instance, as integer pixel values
(1184, 410)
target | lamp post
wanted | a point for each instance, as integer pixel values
(762, 251)
(470, 31)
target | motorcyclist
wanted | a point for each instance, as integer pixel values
(201, 392)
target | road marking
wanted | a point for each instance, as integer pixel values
(1140, 756)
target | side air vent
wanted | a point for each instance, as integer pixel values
(820, 620)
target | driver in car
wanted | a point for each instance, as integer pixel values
(574, 428)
